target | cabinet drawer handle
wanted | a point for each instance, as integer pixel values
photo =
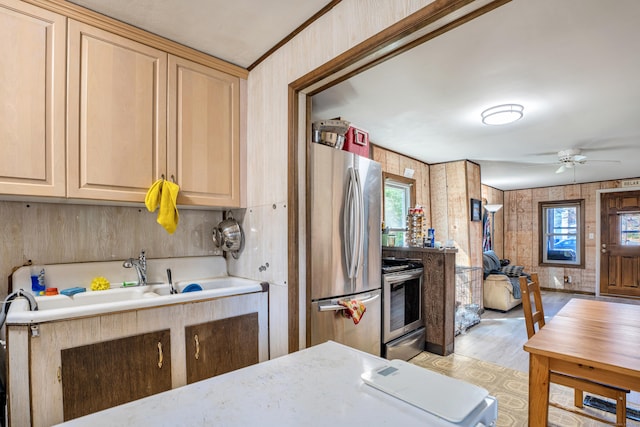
(195, 338)
(160, 357)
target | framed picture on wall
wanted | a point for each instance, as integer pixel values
(476, 210)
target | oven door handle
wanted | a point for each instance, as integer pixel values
(401, 277)
(334, 306)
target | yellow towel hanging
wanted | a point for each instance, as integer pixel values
(168, 214)
(164, 194)
(152, 199)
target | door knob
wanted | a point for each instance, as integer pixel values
(604, 251)
(604, 245)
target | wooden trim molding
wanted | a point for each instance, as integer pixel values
(103, 22)
(418, 20)
(295, 32)
(293, 225)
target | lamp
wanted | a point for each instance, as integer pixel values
(492, 209)
(502, 114)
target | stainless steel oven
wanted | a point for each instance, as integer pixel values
(402, 323)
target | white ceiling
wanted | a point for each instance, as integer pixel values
(238, 31)
(573, 64)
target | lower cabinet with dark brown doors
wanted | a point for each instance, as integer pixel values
(106, 374)
(221, 346)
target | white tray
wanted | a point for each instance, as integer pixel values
(446, 397)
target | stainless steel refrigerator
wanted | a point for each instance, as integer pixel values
(344, 249)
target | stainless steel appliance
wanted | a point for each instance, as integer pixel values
(343, 253)
(403, 332)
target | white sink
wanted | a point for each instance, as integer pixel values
(54, 301)
(113, 295)
(224, 285)
(89, 303)
(94, 297)
(187, 270)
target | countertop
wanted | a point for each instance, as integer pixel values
(318, 386)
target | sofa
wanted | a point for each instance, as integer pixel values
(501, 286)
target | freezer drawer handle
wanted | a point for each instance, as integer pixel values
(334, 306)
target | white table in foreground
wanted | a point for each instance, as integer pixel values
(317, 386)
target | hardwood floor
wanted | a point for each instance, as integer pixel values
(499, 337)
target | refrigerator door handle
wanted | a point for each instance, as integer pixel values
(349, 226)
(359, 246)
(334, 306)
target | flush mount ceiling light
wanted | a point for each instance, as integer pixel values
(502, 114)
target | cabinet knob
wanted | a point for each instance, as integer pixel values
(160, 357)
(195, 338)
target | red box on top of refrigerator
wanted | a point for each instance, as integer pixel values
(356, 141)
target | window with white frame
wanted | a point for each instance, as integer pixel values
(562, 233)
(399, 195)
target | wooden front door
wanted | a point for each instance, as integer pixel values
(620, 244)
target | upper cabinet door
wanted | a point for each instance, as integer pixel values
(204, 134)
(32, 96)
(116, 115)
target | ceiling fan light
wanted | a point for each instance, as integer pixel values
(502, 114)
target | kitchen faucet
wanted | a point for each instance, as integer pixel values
(140, 265)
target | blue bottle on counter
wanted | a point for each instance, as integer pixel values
(37, 283)
(431, 238)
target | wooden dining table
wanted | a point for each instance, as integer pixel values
(590, 339)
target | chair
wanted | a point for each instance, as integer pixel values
(536, 318)
(498, 288)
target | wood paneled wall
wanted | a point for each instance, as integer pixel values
(348, 24)
(51, 233)
(521, 230)
(453, 185)
(395, 163)
(445, 191)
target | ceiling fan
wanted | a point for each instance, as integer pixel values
(570, 158)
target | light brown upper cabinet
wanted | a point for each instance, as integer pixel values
(134, 113)
(203, 134)
(126, 129)
(32, 96)
(116, 115)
